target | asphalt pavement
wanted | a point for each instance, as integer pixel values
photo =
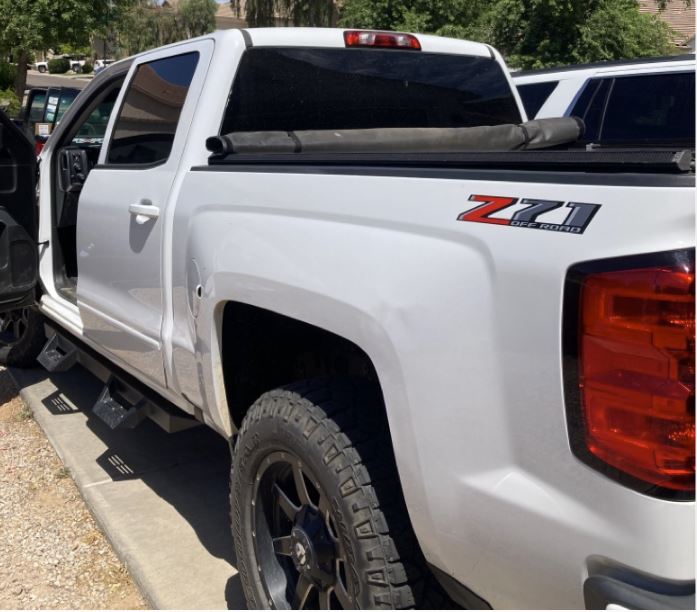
(36, 79)
(161, 499)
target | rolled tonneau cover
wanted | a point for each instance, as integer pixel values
(537, 134)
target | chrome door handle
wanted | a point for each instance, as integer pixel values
(144, 211)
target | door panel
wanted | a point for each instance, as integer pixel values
(18, 227)
(118, 260)
(122, 204)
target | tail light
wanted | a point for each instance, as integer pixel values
(631, 391)
(368, 38)
(38, 147)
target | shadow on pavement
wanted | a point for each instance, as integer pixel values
(188, 469)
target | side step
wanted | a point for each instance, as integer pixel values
(116, 411)
(58, 355)
(121, 407)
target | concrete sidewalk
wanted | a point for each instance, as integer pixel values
(160, 498)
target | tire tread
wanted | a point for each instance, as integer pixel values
(345, 419)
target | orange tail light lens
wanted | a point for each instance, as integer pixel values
(632, 411)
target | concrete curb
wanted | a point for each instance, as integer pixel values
(99, 513)
(159, 499)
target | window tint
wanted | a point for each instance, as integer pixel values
(67, 97)
(36, 110)
(534, 95)
(92, 131)
(592, 115)
(656, 108)
(303, 89)
(581, 106)
(144, 131)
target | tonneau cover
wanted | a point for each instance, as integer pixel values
(537, 134)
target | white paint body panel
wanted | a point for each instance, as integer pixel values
(461, 320)
(463, 324)
(120, 288)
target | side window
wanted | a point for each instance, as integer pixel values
(92, 130)
(534, 95)
(651, 108)
(67, 97)
(591, 105)
(145, 129)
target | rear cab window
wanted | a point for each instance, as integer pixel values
(291, 88)
(534, 95)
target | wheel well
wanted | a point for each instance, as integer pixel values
(263, 350)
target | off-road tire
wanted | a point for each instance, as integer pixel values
(22, 350)
(339, 431)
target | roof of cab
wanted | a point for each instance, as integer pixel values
(329, 37)
(334, 37)
(599, 67)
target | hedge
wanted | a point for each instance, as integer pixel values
(8, 72)
(87, 68)
(59, 65)
(9, 102)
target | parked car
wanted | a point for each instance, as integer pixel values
(101, 64)
(448, 366)
(646, 102)
(32, 110)
(43, 110)
(76, 63)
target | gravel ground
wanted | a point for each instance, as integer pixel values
(52, 554)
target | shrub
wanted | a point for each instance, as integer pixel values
(87, 68)
(9, 102)
(59, 65)
(8, 72)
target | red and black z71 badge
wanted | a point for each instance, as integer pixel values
(528, 212)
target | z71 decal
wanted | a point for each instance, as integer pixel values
(577, 219)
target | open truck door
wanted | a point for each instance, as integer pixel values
(19, 263)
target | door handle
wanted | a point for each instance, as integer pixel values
(144, 211)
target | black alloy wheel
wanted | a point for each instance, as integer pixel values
(297, 543)
(317, 512)
(21, 337)
(13, 326)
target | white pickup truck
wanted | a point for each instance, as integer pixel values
(448, 375)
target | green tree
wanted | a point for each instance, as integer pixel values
(198, 16)
(530, 33)
(626, 34)
(411, 15)
(262, 13)
(540, 33)
(44, 24)
(146, 25)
